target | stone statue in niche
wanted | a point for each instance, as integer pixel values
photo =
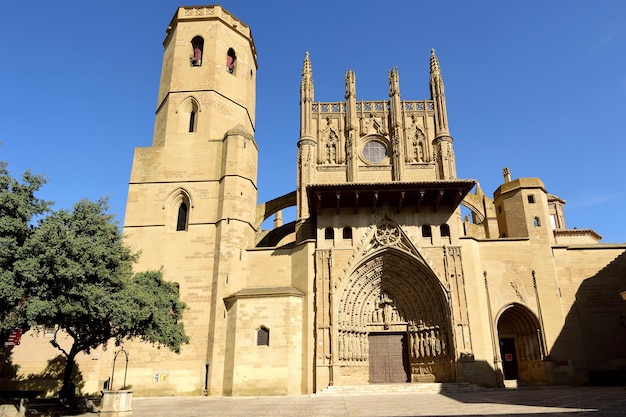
(416, 143)
(386, 305)
(352, 345)
(371, 125)
(330, 141)
(385, 311)
(428, 343)
(331, 152)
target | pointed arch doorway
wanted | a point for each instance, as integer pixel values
(520, 343)
(392, 322)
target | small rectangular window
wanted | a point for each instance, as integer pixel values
(531, 199)
(263, 336)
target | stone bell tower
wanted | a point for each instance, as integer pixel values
(192, 194)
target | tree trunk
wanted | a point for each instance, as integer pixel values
(69, 367)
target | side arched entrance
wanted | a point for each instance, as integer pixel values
(392, 322)
(520, 340)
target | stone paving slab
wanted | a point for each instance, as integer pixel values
(548, 402)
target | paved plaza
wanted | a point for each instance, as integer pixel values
(583, 401)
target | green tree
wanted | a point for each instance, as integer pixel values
(19, 207)
(78, 277)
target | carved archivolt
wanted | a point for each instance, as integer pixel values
(386, 234)
(392, 286)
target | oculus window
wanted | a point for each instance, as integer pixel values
(374, 152)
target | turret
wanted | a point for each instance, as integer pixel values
(306, 144)
(444, 153)
(522, 209)
(396, 130)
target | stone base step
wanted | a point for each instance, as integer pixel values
(406, 388)
(510, 383)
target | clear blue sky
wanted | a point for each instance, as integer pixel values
(538, 86)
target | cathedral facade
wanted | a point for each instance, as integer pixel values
(380, 278)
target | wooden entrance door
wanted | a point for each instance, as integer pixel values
(509, 358)
(388, 357)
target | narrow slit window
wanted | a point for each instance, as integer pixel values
(197, 45)
(192, 121)
(426, 231)
(263, 336)
(231, 60)
(181, 223)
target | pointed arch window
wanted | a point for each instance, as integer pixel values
(188, 115)
(536, 222)
(178, 208)
(231, 60)
(181, 221)
(197, 47)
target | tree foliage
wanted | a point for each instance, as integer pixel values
(77, 277)
(19, 207)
